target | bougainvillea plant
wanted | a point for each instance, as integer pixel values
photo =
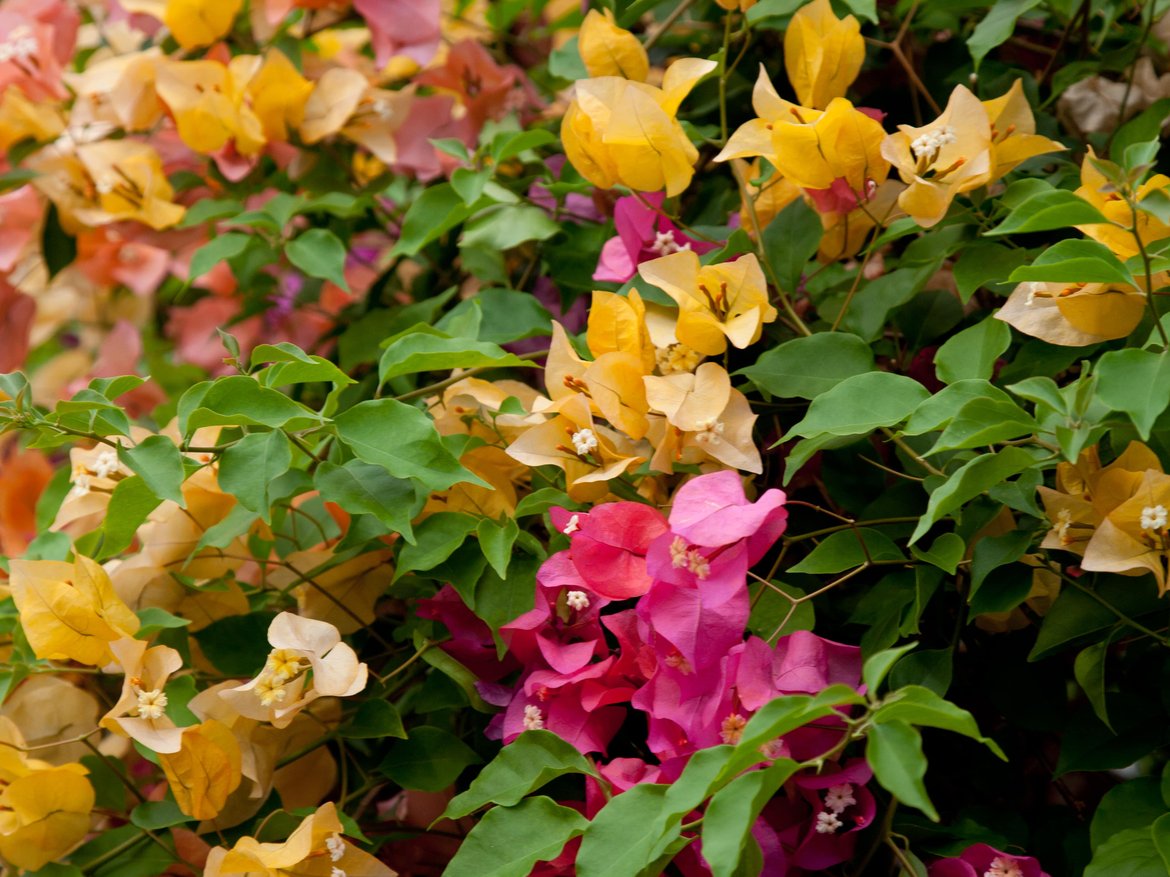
(543, 437)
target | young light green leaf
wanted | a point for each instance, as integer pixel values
(509, 841)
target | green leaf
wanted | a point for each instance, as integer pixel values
(627, 834)
(509, 226)
(496, 540)
(402, 440)
(219, 249)
(249, 466)
(208, 209)
(984, 422)
(1089, 669)
(845, 550)
(790, 240)
(130, 504)
(728, 819)
(894, 751)
(435, 211)
(529, 762)
(509, 841)
(364, 489)
(374, 720)
(877, 666)
(1045, 211)
(916, 705)
(1161, 836)
(971, 480)
(152, 619)
(540, 501)
(436, 539)
(424, 349)
(1075, 261)
(505, 315)
(806, 367)
(1132, 804)
(1129, 853)
(154, 815)
(429, 759)
(946, 552)
(508, 144)
(240, 401)
(941, 408)
(1076, 615)
(860, 404)
(157, 461)
(318, 252)
(996, 27)
(1136, 382)
(986, 264)
(973, 352)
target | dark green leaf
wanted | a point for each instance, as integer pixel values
(805, 368)
(363, 489)
(429, 759)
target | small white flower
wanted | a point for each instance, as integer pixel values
(710, 432)
(578, 600)
(827, 822)
(927, 145)
(1154, 518)
(1003, 867)
(678, 553)
(838, 798)
(584, 441)
(337, 872)
(106, 464)
(573, 526)
(533, 718)
(665, 243)
(152, 704)
(336, 847)
(698, 564)
(81, 485)
(270, 690)
(1063, 522)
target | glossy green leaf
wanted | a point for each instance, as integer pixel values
(861, 404)
(402, 440)
(894, 751)
(971, 480)
(529, 762)
(1075, 261)
(1136, 382)
(806, 367)
(424, 349)
(364, 489)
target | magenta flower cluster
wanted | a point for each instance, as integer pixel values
(640, 625)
